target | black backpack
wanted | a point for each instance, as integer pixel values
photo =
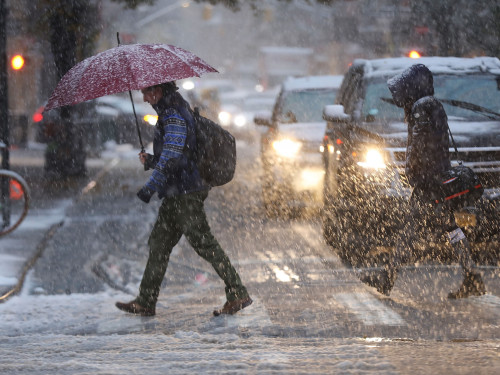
(215, 152)
(459, 186)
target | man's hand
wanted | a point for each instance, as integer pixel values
(145, 194)
(142, 157)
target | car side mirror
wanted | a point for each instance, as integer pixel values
(263, 118)
(335, 113)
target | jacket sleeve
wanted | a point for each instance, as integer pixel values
(174, 139)
(418, 133)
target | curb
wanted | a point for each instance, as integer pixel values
(31, 262)
(53, 230)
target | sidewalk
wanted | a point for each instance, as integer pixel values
(49, 202)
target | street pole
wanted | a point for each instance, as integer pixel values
(4, 103)
(4, 116)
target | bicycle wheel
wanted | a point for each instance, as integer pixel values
(14, 200)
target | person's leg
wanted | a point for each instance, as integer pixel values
(384, 280)
(164, 236)
(197, 232)
(472, 284)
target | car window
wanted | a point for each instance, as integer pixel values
(477, 90)
(378, 105)
(304, 106)
(473, 89)
(254, 105)
(349, 93)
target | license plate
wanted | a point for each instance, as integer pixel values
(465, 219)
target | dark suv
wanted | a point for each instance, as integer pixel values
(365, 191)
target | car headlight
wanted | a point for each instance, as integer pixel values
(188, 85)
(240, 121)
(225, 118)
(151, 119)
(372, 159)
(287, 147)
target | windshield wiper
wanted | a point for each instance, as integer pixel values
(492, 115)
(472, 107)
(388, 100)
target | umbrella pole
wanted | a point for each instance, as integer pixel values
(133, 107)
(136, 122)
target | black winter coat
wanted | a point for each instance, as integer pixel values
(427, 151)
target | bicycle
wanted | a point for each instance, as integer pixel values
(14, 199)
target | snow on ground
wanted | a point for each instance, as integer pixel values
(86, 334)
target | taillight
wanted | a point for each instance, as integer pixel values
(37, 116)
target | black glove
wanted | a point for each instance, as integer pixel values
(145, 194)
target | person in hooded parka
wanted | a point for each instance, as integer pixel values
(427, 157)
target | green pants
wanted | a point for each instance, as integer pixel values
(185, 215)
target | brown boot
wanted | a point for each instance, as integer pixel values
(234, 306)
(471, 286)
(133, 307)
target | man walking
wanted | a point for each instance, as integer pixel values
(177, 181)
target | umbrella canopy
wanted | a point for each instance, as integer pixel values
(124, 68)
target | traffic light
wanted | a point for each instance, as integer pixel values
(17, 62)
(414, 54)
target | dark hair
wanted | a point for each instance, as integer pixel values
(169, 92)
(167, 88)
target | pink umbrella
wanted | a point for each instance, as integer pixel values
(125, 68)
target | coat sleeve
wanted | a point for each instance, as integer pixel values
(174, 139)
(419, 132)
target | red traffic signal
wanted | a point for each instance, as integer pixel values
(17, 62)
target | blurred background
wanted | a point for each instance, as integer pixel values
(253, 44)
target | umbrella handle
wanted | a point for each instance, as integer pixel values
(133, 106)
(136, 121)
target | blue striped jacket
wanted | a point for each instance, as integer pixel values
(175, 172)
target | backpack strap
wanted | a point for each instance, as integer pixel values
(190, 153)
(454, 145)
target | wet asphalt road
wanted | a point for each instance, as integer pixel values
(299, 285)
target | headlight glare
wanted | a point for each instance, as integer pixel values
(287, 147)
(372, 159)
(151, 119)
(225, 118)
(240, 121)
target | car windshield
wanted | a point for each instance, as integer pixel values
(467, 97)
(258, 105)
(305, 105)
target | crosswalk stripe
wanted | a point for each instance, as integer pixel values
(490, 301)
(369, 309)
